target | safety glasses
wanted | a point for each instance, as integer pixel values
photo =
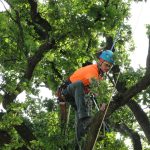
(108, 65)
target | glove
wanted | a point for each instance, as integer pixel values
(102, 107)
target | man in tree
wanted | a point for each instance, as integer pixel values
(79, 82)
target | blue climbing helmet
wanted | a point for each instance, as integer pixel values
(107, 55)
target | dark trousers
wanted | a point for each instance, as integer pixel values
(76, 90)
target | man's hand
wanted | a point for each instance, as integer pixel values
(102, 107)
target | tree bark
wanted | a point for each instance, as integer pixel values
(123, 129)
(93, 132)
(37, 57)
(4, 138)
(141, 117)
(36, 17)
(148, 57)
(25, 133)
(22, 129)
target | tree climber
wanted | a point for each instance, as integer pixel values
(73, 90)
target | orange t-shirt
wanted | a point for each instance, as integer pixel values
(86, 73)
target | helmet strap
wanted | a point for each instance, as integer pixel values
(100, 71)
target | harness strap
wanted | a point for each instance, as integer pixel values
(59, 93)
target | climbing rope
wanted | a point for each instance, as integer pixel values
(117, 36)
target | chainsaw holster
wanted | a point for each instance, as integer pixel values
(61, 94)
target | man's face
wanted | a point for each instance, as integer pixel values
(105, 66)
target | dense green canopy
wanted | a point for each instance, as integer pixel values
(41, 44)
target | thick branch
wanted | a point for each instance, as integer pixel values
(137, 88)
(109, 42)
(25, 133)
(122, 128)
(134, 90)
(141, 117)
(93, 131)
(106, 3)
(36, 17)
(8, 99)
(114, 105)
(148, 57)
(34, 60)
(20, 42)
(43, 35)
(56, 71)
(4, 138)
(122, 99)
(22, 129)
